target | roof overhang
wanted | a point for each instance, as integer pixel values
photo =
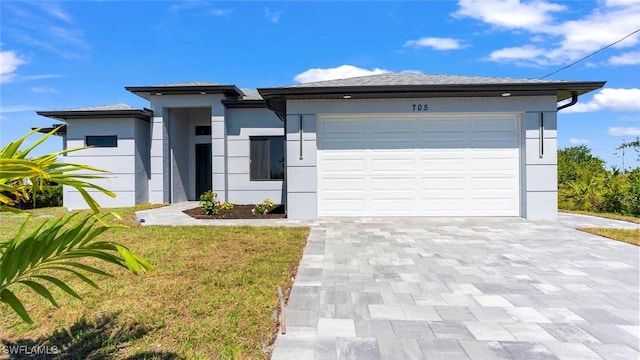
(147, 91)
(142, 114)
(238, 104)
(276, 97)
(61, 129)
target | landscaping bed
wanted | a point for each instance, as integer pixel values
(238, 212)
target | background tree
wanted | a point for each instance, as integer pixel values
(635, 145)
(585, 184)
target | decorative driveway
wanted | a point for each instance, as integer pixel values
(463, 289)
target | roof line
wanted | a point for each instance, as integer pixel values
(143, 114)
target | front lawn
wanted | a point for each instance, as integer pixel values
(211, 295)
(631, 236)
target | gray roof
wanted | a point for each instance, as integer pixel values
(119, 106)
(412, 78)
(189, 83)
(251, 94)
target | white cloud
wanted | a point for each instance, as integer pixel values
(621, 2)
(47, 26)
(272, 16)
(53, 8)
(576, 141)
(40, 77)
(565, 41)
(9, 63)
(512, 14)
(221, 12)
(43, 89)
(610, 99)
(516, 53)
(624, 131)
(340, 72)
(629, 58)
(435, 43)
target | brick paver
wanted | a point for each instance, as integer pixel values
(463, 289)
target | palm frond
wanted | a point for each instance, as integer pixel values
(54, 246)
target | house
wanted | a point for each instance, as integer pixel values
(394, 144)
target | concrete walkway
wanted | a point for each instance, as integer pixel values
(173, 215)
(463, 289)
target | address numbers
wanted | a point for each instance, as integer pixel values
(420, 107)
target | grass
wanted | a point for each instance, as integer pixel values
(211, 295)
(630, 236)
(613, 216)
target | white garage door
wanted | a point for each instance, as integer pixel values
(409, 166)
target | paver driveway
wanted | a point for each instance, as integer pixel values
(463, 289)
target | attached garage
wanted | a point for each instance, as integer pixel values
(403, 165)
(408, 144)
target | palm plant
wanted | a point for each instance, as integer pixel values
(36, 259)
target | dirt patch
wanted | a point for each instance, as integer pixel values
(238, 212)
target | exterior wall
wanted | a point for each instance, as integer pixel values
(242, 124)
(142, 161)
(538, 182)
(119, 161)
(541, 165)
(164, 164)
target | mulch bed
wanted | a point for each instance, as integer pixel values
(238, 212)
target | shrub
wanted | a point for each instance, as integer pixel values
(266, 206)
(209, 203)
(226, 206)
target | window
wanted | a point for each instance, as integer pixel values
(203, 130)
(101, 141)
(267, 157)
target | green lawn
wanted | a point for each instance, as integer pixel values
(211, 295)
(631, 236)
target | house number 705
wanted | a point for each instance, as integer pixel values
(420, 107)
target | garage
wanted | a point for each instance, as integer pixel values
(408, 165)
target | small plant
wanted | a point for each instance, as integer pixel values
(266, 206)
(209, 203)
(226, 206)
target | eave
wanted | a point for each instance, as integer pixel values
(142, 114)
(147, 91)
(240, 104)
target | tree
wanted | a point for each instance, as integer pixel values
(577, 162)
(37, 258)
(635, 145)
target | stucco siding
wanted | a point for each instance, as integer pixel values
(538, 181)
(540, 165)
(241, 124)
(119, 161)
(142, 161)
(122, 197)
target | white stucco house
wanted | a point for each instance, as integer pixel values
(394, 144)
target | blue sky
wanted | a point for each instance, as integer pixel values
(61, 55)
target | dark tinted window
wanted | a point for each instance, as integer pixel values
(203, 130)
(267, 158)
(102, 141)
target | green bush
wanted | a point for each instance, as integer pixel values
(48, 196)
(266, 206)
(584, 184)
(226, 206)
(209, 203)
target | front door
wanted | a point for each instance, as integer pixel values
(203, 169)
